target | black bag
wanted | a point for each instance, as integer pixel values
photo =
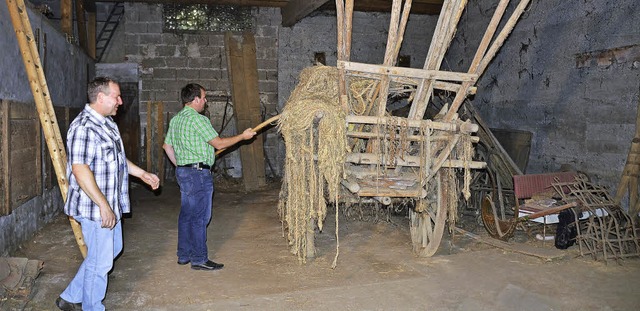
(566, 231)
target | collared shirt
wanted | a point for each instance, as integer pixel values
(189, 134)
(94, 140)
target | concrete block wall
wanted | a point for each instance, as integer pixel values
(569, 73)
(67, 69)
(170, 60)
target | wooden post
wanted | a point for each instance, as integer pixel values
(82, 25)
(149, 140)
(160, 140)
(5, 191)
(40, 90)
(91, 34)
(66, 17)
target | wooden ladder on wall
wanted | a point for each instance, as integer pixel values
(630, 180)
(40, 90)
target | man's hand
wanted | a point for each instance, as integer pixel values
(151, 180)
(108, 217)
(248, 134)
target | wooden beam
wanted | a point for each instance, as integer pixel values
(66, 17)
(413, 161)
(429, 7)
(81, 25)
(258, 3)
(296, 10)
(408, 72)
(91, 34)
(5, 168)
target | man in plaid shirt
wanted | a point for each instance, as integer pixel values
(98, 192)
(190, 145)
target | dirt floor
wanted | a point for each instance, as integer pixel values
(376, 268)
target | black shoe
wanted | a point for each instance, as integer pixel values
(67, 306)
(209, 265)
(182, 263)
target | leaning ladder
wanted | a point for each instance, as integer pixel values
(38, 83)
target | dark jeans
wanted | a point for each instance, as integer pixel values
(196, 189)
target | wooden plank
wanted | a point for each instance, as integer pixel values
(81, 25)
(66, 17)
(91, 34)
(464, 127)
(24, 147)
(5, 168)
(160, 140)
(296, 10)
(243, 75)
(413, 161)
(548, 254)
(383, 70)
(148, 140)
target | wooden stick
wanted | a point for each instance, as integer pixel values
(256, 129)
(549, 211)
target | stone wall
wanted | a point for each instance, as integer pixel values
(170, 60)
(569, 73)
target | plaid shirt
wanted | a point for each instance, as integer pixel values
(189, 133)
(95, 141)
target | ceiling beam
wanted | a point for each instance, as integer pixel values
(296, 10)
(265, 3)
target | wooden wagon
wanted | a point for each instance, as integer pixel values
(376, 155)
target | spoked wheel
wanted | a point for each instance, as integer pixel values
(427, 219)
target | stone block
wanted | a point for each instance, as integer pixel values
(155, 27)
(164, 74)
(150, 38)
(166, 96)
(187, 74)
(268, 86)
(166, 50)
(154, 63)
(176, 62)
(211, 74)
(267, 64)
(201, 62)
(135, 28)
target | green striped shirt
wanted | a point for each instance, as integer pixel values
(188, 134)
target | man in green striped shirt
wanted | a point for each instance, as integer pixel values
(190, 145)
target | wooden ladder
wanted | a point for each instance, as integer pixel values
(40, 90)
(630, 180)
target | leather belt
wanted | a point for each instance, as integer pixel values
(199, 166)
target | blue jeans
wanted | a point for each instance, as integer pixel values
(89, 286)
(196, 189)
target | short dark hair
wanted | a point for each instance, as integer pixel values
(190, 92)
(97, 85)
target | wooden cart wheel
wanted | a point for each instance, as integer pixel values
(427, 226)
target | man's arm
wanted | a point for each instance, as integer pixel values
(168, 149)
(221, 143)
(87, 182)
(149, 178)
